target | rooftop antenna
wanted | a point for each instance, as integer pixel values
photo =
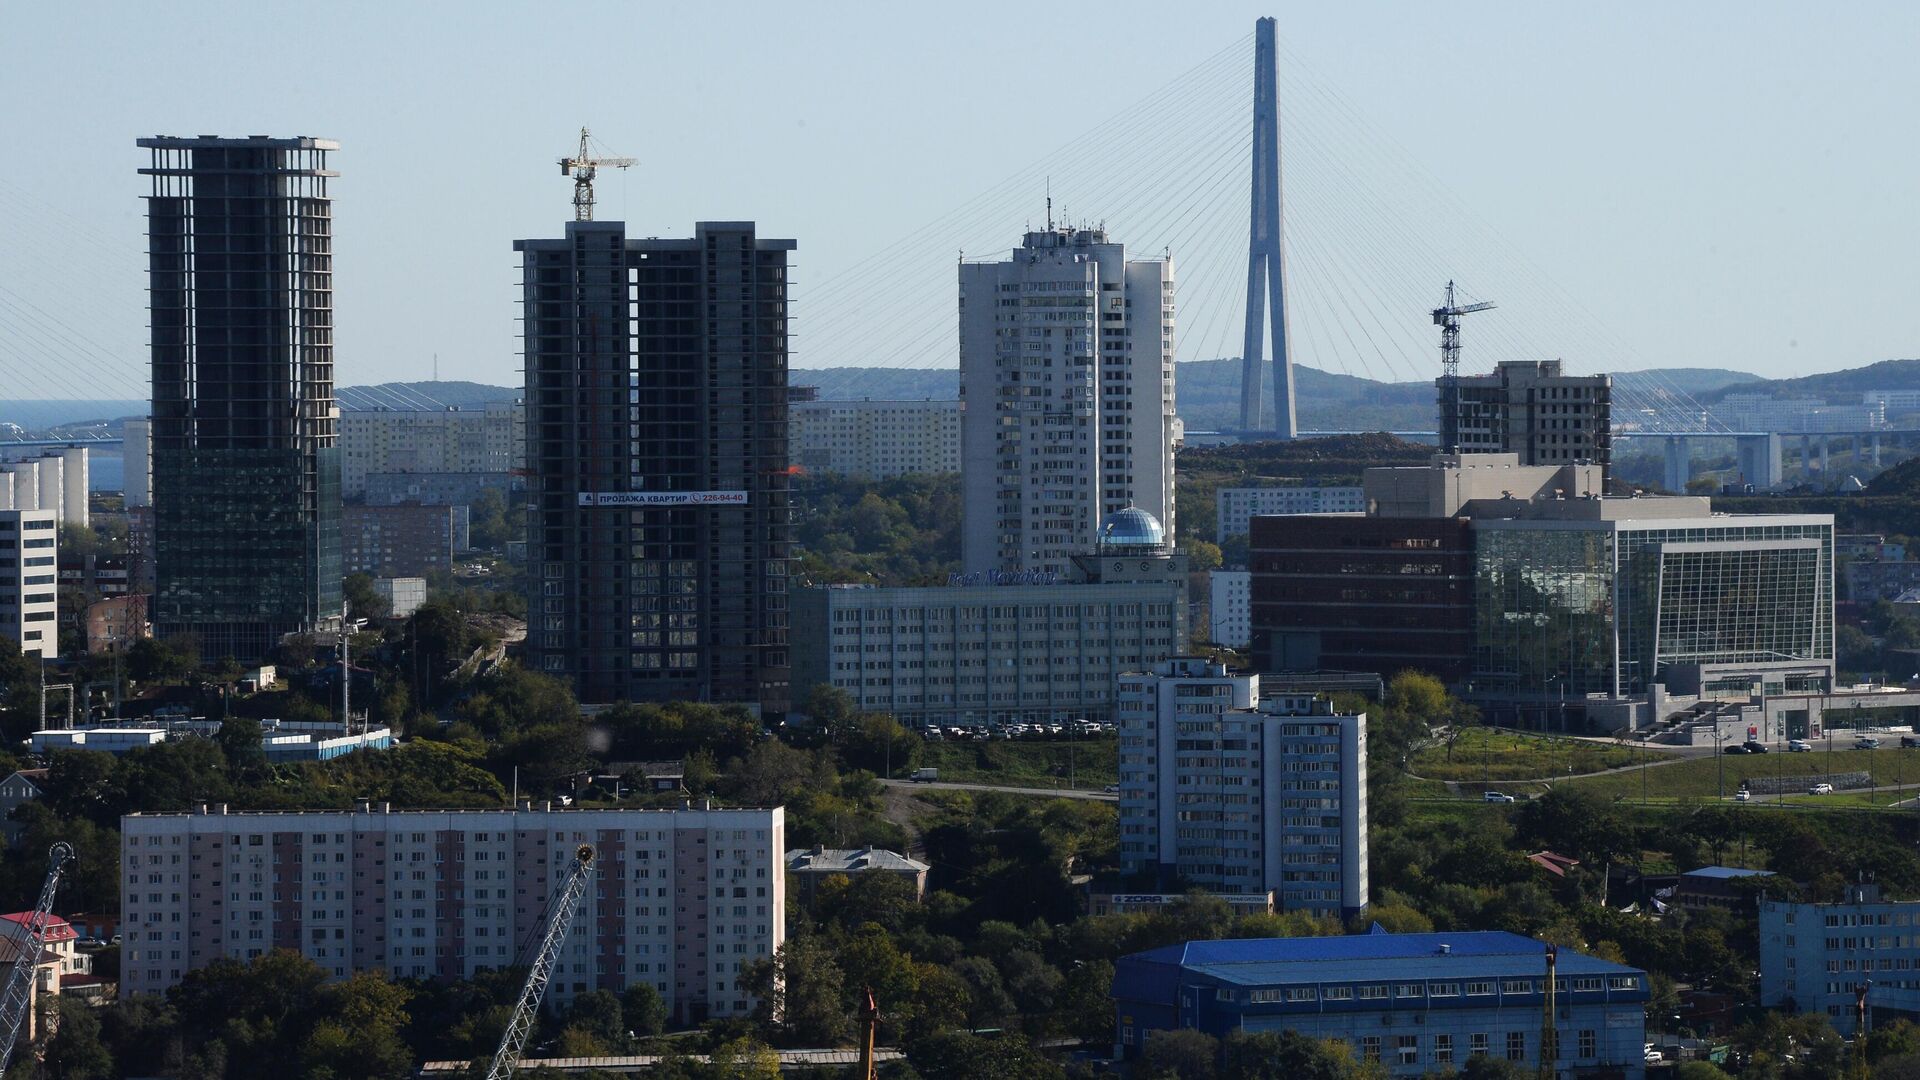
(1049, 203)
(582, 168)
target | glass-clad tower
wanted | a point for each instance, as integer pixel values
(246, 470)
(1571, 608)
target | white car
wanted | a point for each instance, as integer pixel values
(1820, 789)
(1655, 1057)
(1743, 795)
(1800, 746)
(1866, 742)
(1498, 797)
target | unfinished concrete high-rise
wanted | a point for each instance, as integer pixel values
(246, 468)
(659, 528)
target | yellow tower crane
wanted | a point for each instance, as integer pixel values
(583, 167)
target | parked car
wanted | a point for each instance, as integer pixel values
(1866, 742)
(1755, 747)
(1908, 742)
(1820, 789)
(1498, 796)
(1655, 1057)
(1743, 795)
(1799, 746)
(1738, 748)
(1112, 789)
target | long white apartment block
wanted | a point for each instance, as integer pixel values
(1230, 607)
(1066, 384)
(488, 438)
(875, 440)
(1235, 507)
(683, 899)
(29, 580)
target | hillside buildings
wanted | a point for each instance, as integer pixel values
(402, 541)
(683, 899)
(380, 447)
(1533, 409)
(30, 581)
(245, 455)
(659, 525)
(1066, 384)
(1000, 648)
(808, 867)
(876, 440)
(1416, 1004)
(1234, 506)
(1813, 957)
(1234, 794)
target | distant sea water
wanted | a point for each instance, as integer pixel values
(46, 414)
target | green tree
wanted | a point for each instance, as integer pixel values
(76, 1051)
(958, 1055)
(1289, 1055)
(356, 1033)
(643, 1009)
(363, 602)
(600, 1014)
(746, 1059)
(1179, 1054)
(240, 741)
(801, 990)
(1700, 1070)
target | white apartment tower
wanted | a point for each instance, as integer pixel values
(1233, 794)
(29, 581)
(682, 899)
(1066, 388)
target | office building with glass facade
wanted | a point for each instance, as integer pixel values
(244, 433)
(1602, 598)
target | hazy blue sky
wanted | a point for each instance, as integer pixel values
(1719, 184)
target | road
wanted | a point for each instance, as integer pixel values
(1058, 793)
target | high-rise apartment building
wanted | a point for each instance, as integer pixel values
(1533, 409)
(1234, 507)
(29, 581)
(246, 470)
(682, 899)
(1236, 794)
(658, 536)
(1066, 384)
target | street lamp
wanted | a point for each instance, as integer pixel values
(1719, 751)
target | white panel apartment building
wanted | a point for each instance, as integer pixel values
(29, 581)
(1230, 607)
(875, 440)
(685, 899)
(1066, 384)
(484, 439)
(1238, 795)
(1236, 506)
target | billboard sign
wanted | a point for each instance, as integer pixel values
(645, 499)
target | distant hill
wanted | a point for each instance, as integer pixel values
(1838, 387)
(423, 395)
(1694, 381)
(879, 383)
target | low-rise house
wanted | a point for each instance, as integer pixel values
(18, 789)
(59, 957)
(807, 867)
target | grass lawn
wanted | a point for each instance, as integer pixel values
(1699, 778)
(1493, 754)
(1038, 763)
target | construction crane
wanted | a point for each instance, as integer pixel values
(1447, 318)
(582, 167)
(17, 996)
(560, 915)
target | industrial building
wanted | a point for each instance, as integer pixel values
(1232, 793)
(660, 525)
(1542, 600)
(30, 581)
(876, 440)
(1066, 384)
(1415, 1004)
(55, 481)
(683, 900)
(244, 429)
(1000, 648)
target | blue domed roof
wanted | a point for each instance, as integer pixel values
(1132, 527)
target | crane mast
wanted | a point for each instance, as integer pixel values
(583, 167)
(565, 903)
(1447, 318)
(17, 996)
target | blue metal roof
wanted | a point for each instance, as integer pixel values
(1726, 872)
(1378, 957)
